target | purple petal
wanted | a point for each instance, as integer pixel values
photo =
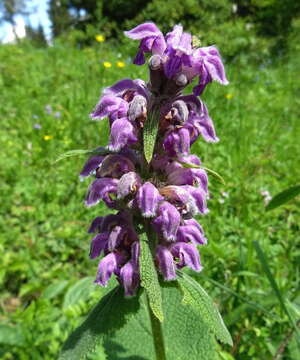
(142, 31)
(187, 254)
(129, 278)
(96, 225)
(107, 105)
(189, 177)
(177, 142)
(173, 37)
(101, 189)
(122, 134)
(115, 237)
(115, 166)
(148, 199)
(167, 221)
(139, 58)
(92, 164)
(128, 184)
(199, 197)
(107, 266)
(191, 231)
(213, 63)
(98, 244)
(165, 263)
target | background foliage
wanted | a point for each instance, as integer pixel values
(47, 92)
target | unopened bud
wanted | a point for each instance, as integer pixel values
(181, 114)
(181, 80)
(137, 107)
(155, 62)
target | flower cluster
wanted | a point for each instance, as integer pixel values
(162, 196)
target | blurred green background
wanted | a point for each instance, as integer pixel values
(49, 85)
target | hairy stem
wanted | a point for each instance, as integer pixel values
(157, 335)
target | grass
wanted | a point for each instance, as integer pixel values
(43, 220)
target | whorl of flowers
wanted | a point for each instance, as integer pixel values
(163, 195)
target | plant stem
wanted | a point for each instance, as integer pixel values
(157, 335)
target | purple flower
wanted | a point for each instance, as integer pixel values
(115, 166)
(187, 255)
(128, 184)
(98, 244)
(167, 221)
(102, 189)
(122, 134)
(191, 231)
(92, 164)
(148, 199)
(107, 266)
(165, 262)
(37, 126)
(152, 41)
(209, 67)
(184, 176)
(177, 142)
(179, 50)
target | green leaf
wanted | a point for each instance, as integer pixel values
(11, 335)
(81, 290)
(149, 278)
(266, 268)
(72, 153)
(109, 315)
(150, 133)
(54, 289)
(210, 171)
(186, 336)
(283, 197)
(197, 297)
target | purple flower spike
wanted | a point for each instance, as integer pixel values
(167, 221)
(148, 199)
(128, 184)
(122, 133)
(129, 278)
(165, 262)
(166, 194)
(187, 254)
(101, 189)
(98, 244)
(107, 266)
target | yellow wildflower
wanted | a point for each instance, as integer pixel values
(120, 64)
(100, 38)
(107, 64)
(48, 137)
(229, 96)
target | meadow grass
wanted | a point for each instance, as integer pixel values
(46, 276)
